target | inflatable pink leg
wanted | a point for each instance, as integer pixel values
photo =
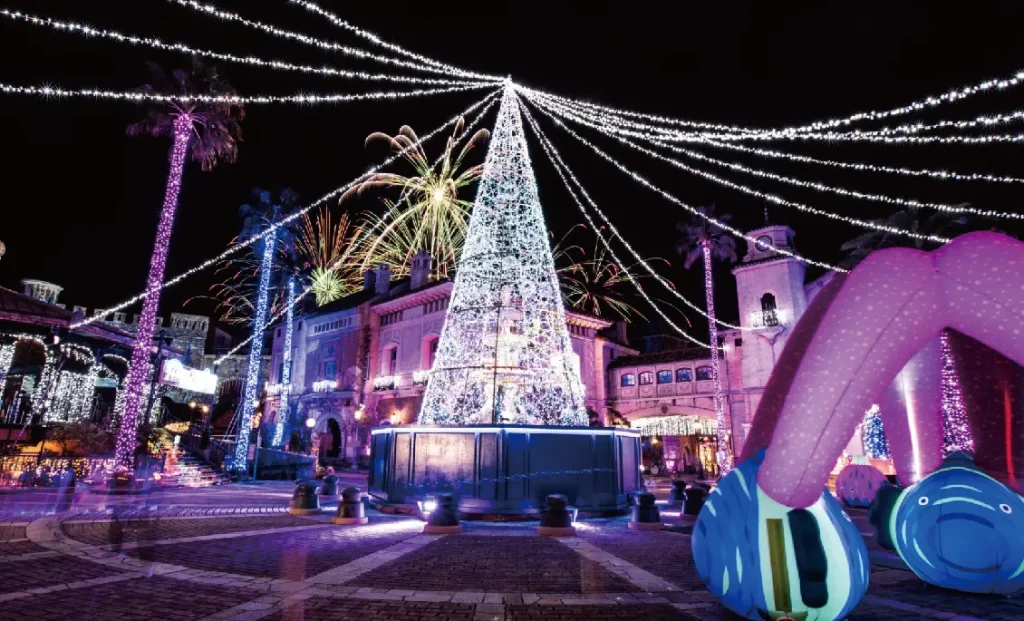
(911, 415)
(889, 308)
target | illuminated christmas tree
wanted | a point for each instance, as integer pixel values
(956, 431)
(505, 355)
(872, 435)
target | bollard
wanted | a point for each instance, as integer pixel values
(304, 500)
(695, 496)
(350, 509)
(557, 520)
(645, 514)
(443, 520)
(677, 496)
(329, 487)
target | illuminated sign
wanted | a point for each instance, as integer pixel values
(173, 373)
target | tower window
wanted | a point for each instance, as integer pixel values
(646, 378)
(664, 377)
(769, 315)
(684, 375)
(704, 373)
(628, 379)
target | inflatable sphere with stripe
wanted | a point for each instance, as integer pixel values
(857, 484)
(763, 560)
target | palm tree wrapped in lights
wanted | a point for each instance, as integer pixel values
(209, 132)
(703, 239)
(428, 215)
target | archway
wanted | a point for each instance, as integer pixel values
(331, 445)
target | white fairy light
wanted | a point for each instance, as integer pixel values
(302, 99)
(563, 171)
(504, 354)
(669, 197)
(981, 121)
(213, 11)
(181, 48)
(865, 137)
(99, 316)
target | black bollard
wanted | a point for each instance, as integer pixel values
(304, 500)
(443, 520)
(677, 496)
(695, 496)
(645, 514)
(330, 486)
(350, 509)
(556, 520)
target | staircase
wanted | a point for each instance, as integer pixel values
(183, 470)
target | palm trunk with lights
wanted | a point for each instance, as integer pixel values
(124, 455)
(286, 367)
(724, 450)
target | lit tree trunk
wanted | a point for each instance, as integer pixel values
(286, 367)
(724, 451)
(252, 374)
(124, 454)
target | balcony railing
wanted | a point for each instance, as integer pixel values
(768, 318)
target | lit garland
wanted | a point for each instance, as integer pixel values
(504, 354)
(872, 435)
(300, 99)
(981, 121)
(563, 169)
(124, 452)
(681, 425)
(6, 358)
(112, 35)
(724, 450)
(956, 429)
(669, 197)
(286, 370)
(325, 385)
(285, 221)
(209, 9)
(820, 187)
(252, 373)
(863, 137)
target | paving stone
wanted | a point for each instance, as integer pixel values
(667, 555)
(49, 572)
(369, 610)
(494, 563)
(649, 612)
(126, 531)
(18, 548)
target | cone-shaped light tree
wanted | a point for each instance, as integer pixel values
(209, 133)
(504, 355)
(707, 241)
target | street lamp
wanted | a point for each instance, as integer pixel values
(310, 422)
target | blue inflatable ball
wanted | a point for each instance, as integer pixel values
(762, 559)
(959, 528)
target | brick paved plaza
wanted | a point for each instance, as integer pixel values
(234, 553)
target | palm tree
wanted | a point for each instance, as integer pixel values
(939, 223)
(702, 239)
(209, 132)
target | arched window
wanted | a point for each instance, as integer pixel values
(704, 373)
(664, 377)
(769, 315)
(646, 378)
(389, 362)
(628, 379)
(428, 351)
(684, 375)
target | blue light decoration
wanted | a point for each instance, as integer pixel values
(872, 435)
(252, 372)
(763, 560)
(957, 528)
(286, 371)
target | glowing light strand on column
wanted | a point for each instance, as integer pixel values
(124, 453)
(252, 371)
(724, 450)
(956, 429)
(286, 367)
(504, 355)
(66, 26)
(99, 316)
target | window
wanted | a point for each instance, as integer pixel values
(330, 369)
(433, 352)
(738, 342)
(300, 326)
(280, 373)
(392, 358)
(435, 306)
(628, 379)
(768, 314)
(664, 377)
(390, 318)
(279, 333)
(703, 373)
(646, 378)
(684, 375)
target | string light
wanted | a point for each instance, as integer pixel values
(151, 42)
(302, 99)
(250, 394)
(798, 182)
(864, 137)
(124, 451)
(647, 184)
(99, 316)
(369, 36)
(563, 169)
(942, 175)
(210, 10)
(872, 435)
(681, 425)
(981, 121)
(286, 366)
(504, 354)
(956, 429)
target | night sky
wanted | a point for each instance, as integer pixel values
(80, 198)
